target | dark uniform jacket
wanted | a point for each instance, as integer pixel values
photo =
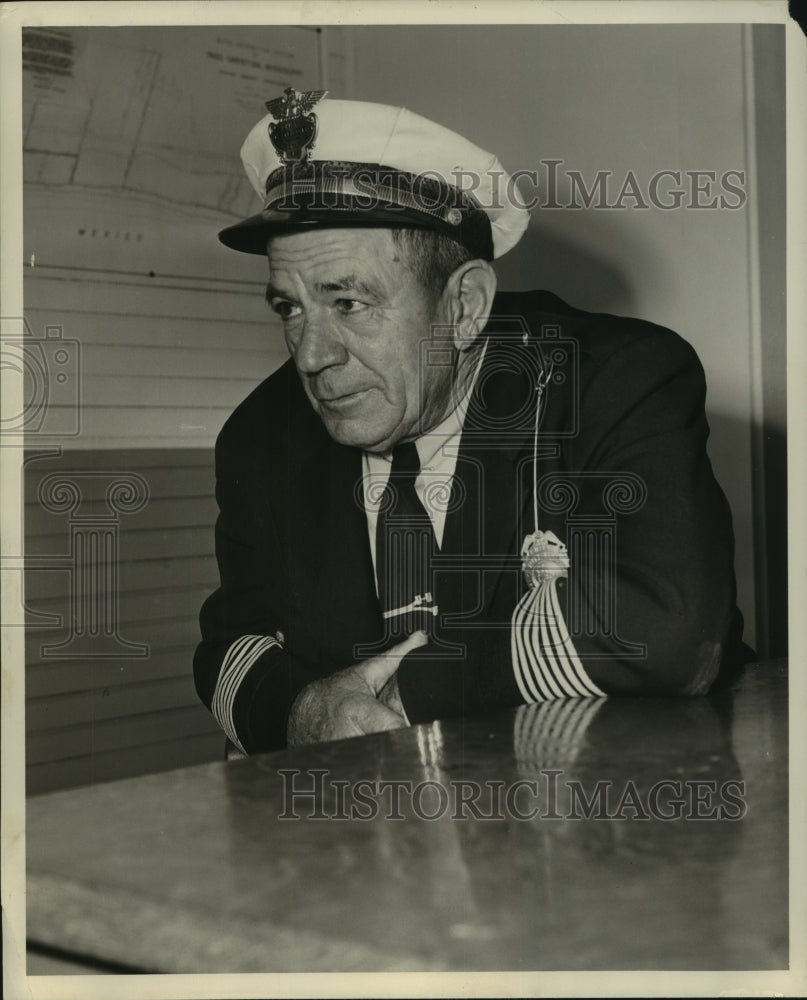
(623, 480)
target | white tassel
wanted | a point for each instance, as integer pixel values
(545, 662)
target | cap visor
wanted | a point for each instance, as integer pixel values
(252, 234)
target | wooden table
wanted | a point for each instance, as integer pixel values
(193, 870)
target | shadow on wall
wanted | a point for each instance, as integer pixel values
(771, 543)
(548, 259)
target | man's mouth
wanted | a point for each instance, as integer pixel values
(341, 399)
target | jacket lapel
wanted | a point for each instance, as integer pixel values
(336, 591)
(490, 525)
(347, 582)
(495, 468)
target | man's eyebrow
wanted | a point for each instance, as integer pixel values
(273, 293)
(350, 283)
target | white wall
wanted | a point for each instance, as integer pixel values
(131, 168)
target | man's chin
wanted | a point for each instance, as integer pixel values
(354, 433)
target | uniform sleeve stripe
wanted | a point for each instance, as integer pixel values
(545, 663)
(236, 663)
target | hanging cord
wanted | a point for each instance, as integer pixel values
(545, 662)
(540, 408)
(543, 555)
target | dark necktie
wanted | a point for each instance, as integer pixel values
(405, 543)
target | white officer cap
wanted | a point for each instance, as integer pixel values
(319, 162)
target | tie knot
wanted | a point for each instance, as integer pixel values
(405, 460)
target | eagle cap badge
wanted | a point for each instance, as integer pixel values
(295, 127)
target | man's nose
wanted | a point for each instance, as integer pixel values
(319, 346)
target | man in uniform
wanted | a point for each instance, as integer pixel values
(449, 499)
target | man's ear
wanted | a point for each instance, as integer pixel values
(469, 296)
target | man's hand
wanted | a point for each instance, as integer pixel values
(347, 703)
(391, 697)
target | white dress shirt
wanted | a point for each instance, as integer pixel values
(437, 450)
